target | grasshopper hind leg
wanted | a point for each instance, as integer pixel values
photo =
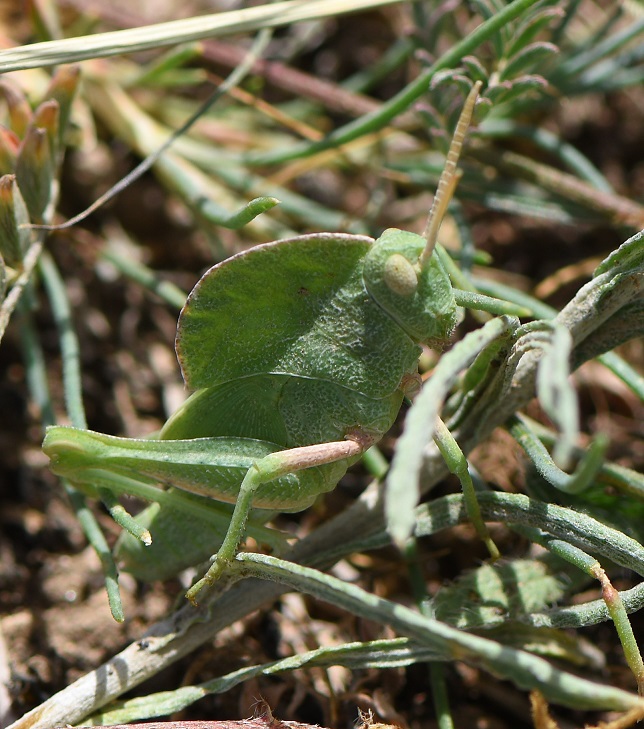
(262, 471)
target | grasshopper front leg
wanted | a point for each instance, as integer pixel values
(262, 471)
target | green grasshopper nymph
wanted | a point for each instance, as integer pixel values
(299, 353)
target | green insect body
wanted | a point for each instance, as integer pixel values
(304, 341)
(299, 353)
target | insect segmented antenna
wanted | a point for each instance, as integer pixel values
(449, 176)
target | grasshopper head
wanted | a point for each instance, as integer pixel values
(419, 299)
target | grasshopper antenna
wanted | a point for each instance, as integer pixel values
(233, 79)
(449, 176)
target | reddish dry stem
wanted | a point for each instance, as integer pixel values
(261, 722)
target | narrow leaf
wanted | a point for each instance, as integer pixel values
(402, 486)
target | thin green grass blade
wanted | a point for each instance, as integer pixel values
(402, 492)
(523, 669)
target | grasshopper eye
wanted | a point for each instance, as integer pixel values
(400, 276)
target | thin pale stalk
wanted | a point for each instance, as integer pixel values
(247, 20)
(13, 297)
(234, 78)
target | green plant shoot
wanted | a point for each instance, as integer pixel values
(300, 353)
